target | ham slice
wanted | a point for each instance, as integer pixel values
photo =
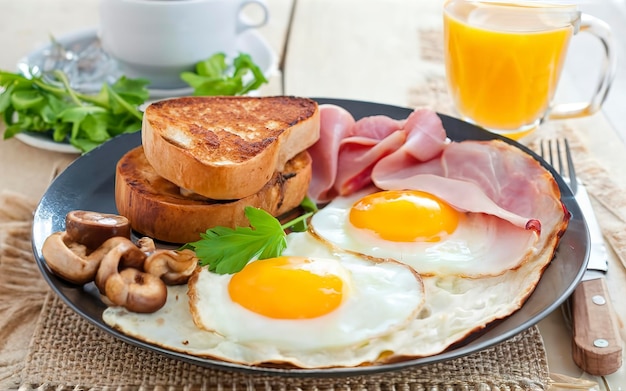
(490, 177)
(348, 150)
(336, 123)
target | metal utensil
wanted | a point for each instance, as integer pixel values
(596, 343)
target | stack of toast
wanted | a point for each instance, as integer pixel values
(204, 159)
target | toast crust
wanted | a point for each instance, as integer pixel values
(227, 147)
(156, 208)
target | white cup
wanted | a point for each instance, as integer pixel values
(159, 39)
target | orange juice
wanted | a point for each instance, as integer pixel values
(503, 61)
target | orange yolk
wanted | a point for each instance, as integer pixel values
(280, 288)
(404, 216)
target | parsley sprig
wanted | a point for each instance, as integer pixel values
(226, 250)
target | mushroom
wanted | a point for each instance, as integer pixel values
(136, 291)
(146, 245)
(71, 260)
(94, 228)
(172, 266)
(120, 253)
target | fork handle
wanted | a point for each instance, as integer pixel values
(596, 344)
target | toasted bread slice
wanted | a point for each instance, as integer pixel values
(227, 147)
(156, 207)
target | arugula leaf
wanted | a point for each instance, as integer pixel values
(32, 104)
(35, 105)
(226, 250)
(214, 77)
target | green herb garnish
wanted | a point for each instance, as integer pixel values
(36, 105)
(214, 76)
(227, 250)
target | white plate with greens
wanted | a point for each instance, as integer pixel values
(79, 55)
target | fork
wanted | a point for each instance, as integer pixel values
(588, 312)
(554, 151)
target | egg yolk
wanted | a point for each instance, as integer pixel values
(404, 216)
(281, 288)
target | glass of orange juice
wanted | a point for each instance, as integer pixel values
(504, 60)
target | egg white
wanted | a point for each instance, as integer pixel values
(481, 245)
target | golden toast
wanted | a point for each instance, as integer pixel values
(227, 147)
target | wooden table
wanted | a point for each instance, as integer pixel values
(383, 51)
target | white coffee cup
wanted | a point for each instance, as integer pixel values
(159, 39)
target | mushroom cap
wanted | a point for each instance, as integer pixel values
(92, 229)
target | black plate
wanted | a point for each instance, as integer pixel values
(88, 184)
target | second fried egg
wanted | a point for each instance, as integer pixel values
(424, 232)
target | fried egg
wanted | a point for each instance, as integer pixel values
(424, 232)
(322, 300)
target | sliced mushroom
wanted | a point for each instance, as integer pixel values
(136, 291)
(92, 229)
(172, 266)
(120, 253)
(146, 245)
(70, 260)
(131, 288)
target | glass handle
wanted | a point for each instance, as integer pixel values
(602, 31)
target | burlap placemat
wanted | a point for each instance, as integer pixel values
(68, 352)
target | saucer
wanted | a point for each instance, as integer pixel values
(97, 67)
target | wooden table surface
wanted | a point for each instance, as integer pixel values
(386, 51)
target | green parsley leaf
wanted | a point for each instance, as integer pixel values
(299, 224)
(226, 250)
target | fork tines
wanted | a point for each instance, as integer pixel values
(558, 154)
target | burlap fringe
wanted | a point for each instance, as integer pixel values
(22, 289)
